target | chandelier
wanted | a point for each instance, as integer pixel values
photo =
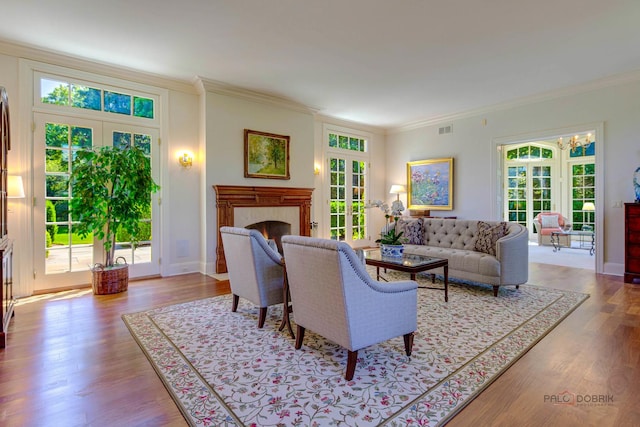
(575, 142)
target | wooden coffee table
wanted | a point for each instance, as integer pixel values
(409, 263)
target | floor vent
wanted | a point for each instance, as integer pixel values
(445, 129)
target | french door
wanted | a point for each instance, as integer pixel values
(529, 191)
(347, 198)
(61, 256)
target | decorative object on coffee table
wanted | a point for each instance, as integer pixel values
(391, 250)
(391, 238)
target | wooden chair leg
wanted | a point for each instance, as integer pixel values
(263, 317)
(408, 343)
(352, 359)
(236, 299)
(495, 290)
(299, 337)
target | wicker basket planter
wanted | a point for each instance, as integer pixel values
(110, 280)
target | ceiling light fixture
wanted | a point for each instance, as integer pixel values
(575, 142)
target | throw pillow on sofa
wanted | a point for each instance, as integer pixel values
(413, 231)
(488, 235)
(549, 221)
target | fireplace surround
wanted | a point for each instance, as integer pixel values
(230, 197)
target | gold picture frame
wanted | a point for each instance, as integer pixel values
(430, 184)
(266, 155)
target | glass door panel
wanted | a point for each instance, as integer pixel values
(358, 179)
(143, 258)
(347, 199)
(529, 192)
(541, 185)
(517, 194)
(61, 256)
(583, 190)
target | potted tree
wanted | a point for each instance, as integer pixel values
(111, 189)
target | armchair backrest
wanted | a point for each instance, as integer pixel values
(315, 271)
(255, 269)
(333, 295)
(561, 219)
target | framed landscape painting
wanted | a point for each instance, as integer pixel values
(430, 184)
(266, 155)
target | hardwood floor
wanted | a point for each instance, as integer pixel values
(70, 360)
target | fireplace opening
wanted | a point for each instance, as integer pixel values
(272, 230)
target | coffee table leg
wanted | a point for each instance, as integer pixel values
(446, 283)
(378, 273)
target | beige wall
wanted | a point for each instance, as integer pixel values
(226, 118)
(473, 146)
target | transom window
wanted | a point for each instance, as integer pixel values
(530, 153)
(79, 95)
(347, 142)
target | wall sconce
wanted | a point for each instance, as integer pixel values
(316, 169)
(186, 160)
(15, 189)
(397, 189)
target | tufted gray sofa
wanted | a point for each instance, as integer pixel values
(455, 240)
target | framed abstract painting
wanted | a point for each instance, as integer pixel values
(430, 184)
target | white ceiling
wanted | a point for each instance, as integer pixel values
(379, 62)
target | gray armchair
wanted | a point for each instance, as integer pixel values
(256, 270)
(333, 295)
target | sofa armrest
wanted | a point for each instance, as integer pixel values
(513, 253)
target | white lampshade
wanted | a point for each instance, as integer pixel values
(588, 206)
(15, 189)
(397, 189)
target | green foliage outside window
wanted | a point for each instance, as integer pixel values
(52, 229)
(88, 98)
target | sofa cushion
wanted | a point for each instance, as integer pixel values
(488, 235)
(413, 230)
(477, 264)
(450, 233)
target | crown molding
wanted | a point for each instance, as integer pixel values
(321, 118)
(69, 61)
(203, 85)
(615, 80)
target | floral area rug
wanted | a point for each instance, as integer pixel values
(222, 370)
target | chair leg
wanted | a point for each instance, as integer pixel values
(495, 290)
(408, 343)
(263, 317)
(352, 359)
(299, 337)
(236, 299)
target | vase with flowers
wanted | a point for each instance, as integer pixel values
(391, 240)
